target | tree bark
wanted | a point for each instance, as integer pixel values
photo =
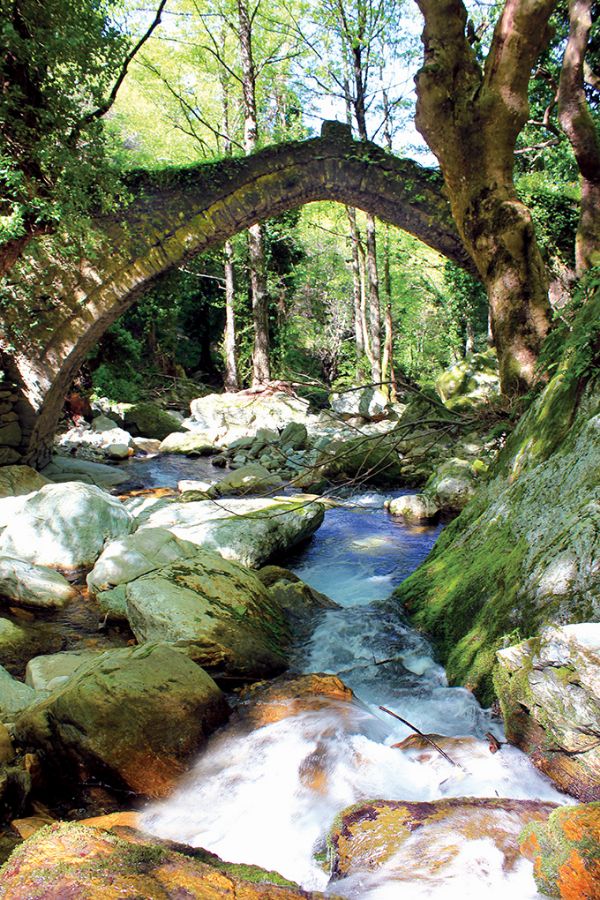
(231, 379)
(470, 119)
(256, 241)
(577, 123)
(374, 306)
(359, 337)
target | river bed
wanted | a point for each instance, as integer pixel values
(269, 796)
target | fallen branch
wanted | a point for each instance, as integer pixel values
(421, 734)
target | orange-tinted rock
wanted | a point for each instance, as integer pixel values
(129, 819)
(565, 852)
(270, 701)
(29, 825)
(72, 862)
(369, 835)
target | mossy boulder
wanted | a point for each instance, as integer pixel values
(453, 484)
(414, 840)
(71, 860)
(251, 478)
(131, 718)
(565, 852)
(471, 381)
(218, 610)
(23, 638)
(524, 552)
(549, 692)
(298, 600)
(14, 696)
(369, 459)
(151, 421)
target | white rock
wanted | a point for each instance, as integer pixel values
(65, 526)
(31, 585)
(246, 531)
(46, 673)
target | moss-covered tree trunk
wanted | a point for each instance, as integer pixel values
(578, 124)
(471, 117)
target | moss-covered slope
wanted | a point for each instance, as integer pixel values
(526, 550)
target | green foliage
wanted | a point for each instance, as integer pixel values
(573, 345)
(59, 60)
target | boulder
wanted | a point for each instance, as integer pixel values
(65, 468)
(367, 402)
(146, 445)
(418, 841)
(102, 423)
(294, 436)
(565, 852)
(129, 557)
(549, 692)
(65, 526)
(21, 639)
(414, 508)
(299, 601)
(18, 480)
(46, 673)
(14, 696)
(250, 478)
(118, 451)
(150, 420)
(472, 381)
(246, 531)
(243, 414)
(29, 585)
(453, 484)
(187, 442)
(132, 717)
(370, 459)
(218, 610)
(271, 701)
(69, 860)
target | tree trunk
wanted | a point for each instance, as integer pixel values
(374, 308)
(359, 337)
(231, 379)
(471, 119)
(256, 242)
(388, 376)
(577, 123)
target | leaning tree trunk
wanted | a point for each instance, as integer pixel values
(470, 119)
(256, 241)
(359, 336)
(579, 126)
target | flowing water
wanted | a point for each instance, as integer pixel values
(270, 795)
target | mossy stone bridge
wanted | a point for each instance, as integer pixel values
(179, 213)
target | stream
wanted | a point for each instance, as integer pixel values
(269, 796)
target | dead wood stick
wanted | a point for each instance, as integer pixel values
(426, 736)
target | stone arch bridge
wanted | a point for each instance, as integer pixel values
(176, 214)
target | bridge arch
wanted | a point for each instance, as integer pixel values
(179, 213)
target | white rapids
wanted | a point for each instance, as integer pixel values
(269, 796)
